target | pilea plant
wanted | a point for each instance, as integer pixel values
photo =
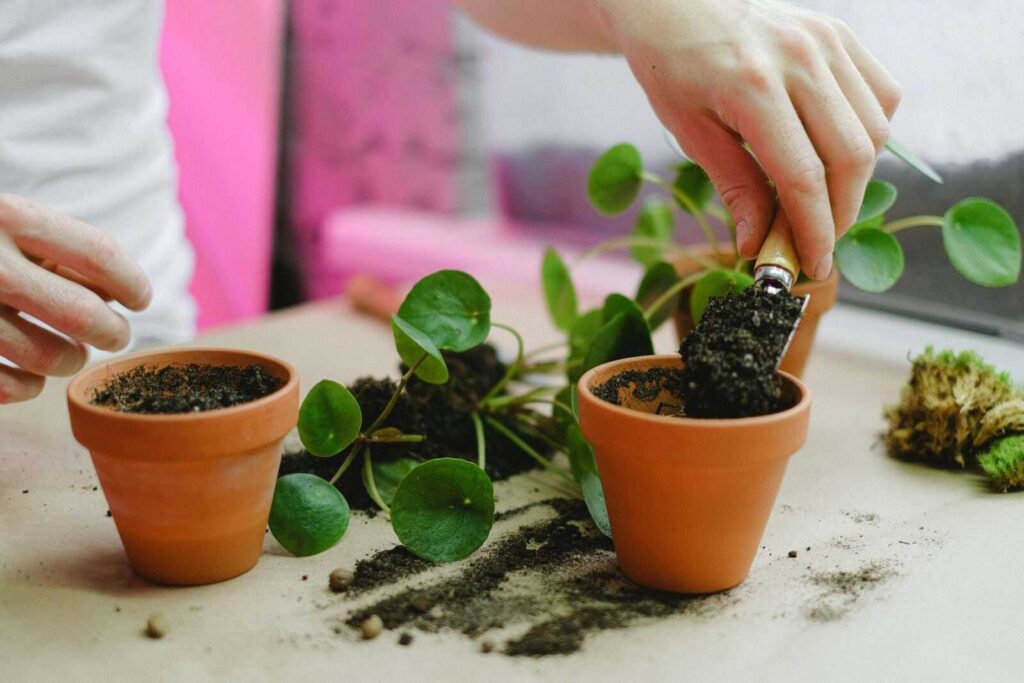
(980, 238)
(441, 509)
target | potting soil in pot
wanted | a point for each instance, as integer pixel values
(186, 388)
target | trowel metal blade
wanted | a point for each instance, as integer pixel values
(803, 308)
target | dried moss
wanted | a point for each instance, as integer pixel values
(1004, 462)
(953, 405)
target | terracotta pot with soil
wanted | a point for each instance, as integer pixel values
(187, 444)
(688, 498)
(823, 297)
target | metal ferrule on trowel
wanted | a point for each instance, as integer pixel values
(777, 268)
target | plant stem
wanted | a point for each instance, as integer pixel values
(551, 402)
(545, 348)
(481, 443)
(393, 401)
(630, 242)
(404, 438)
(513, 368)
(499, 402)
(695, 211)
(671, 292)
(914, 222)
(371, 483)
(526, 448)
(346, 462)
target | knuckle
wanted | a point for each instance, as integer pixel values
(860, 153)
(840, 28)
(43, 359)
(798, 45)
(889, 97)
(10, 210)
(101, 251)
(752, 73)
(79, 317)
(806, 176)
(879, 134)
(823, 30)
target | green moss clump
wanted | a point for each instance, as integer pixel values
(1003, 460)
(953, 405)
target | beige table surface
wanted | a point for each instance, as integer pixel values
(72, 610)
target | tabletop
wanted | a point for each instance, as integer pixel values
(900, 571)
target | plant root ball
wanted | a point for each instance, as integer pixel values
(952, 407)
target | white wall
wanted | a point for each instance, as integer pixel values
(960, 62)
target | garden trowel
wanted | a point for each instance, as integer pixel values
(777, 268)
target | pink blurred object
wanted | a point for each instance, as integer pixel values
(375, 116)
(222, 65)
(396, 246)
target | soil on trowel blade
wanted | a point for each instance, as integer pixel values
(186, 388)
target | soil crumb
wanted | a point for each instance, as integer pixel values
(539, 590)
(187, 388)
(730, 358)
(842, 590)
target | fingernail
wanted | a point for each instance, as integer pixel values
(742, 235)
(823, 267)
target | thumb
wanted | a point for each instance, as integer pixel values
(737, 176)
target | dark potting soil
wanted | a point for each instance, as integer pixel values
(730, 358)
(644, 385)
(440, 412)
(842, 590)
(187, 388)
(551, 584)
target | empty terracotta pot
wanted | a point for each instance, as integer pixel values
(823, 297)
(688, 498)
(190, 493)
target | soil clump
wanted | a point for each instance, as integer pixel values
(186, 388)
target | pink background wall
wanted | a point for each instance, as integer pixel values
(222, 65)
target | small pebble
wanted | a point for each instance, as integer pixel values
(792, 553)
(156, 626)
(421, 603)
(305, 577)
(405, 639)
(487, 646)
(372, 627)
(108, 513)
(25, 491)
(340, 580)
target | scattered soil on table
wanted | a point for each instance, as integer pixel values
(644, 386)
(187, 388)
(730, 358)
(538, 590)
(441, 413)
(842, 590)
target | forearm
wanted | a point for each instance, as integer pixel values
(571, 25)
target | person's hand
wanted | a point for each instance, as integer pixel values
(797, 87)
(60, 271)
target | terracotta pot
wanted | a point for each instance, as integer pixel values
(688, 499)
(823, 297)
(190, 493)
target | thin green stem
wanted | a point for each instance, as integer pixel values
(670, 293)
(529, 450)
(551, 402)
(346, 462)
(393, 401)
(630, 242)
(481, 443)
(404, 438)
(371, 483)
(695, 211)
(513, 368)
(545, 348)
(536, 432)
(914, 222)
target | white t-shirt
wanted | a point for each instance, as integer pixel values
(83, 130)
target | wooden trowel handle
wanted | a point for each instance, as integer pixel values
(778, 248)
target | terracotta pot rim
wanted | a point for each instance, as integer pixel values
(687, 423)
(87, 378)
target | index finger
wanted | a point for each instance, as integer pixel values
(772, 128)
(47, 234)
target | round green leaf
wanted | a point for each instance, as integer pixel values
(451, 308)
(657, 280)
(329, 419)
(870, 259)
(308, 514)
(558, 289)
(615, 304)
(982, 242)
(879, 196)
(693, 182)
(411, 345)
(626, 335)
(580, 335)
(584, 469)
(443, 510)
(387, 474)
(655, 222)
(716, 283)
(615, 179)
